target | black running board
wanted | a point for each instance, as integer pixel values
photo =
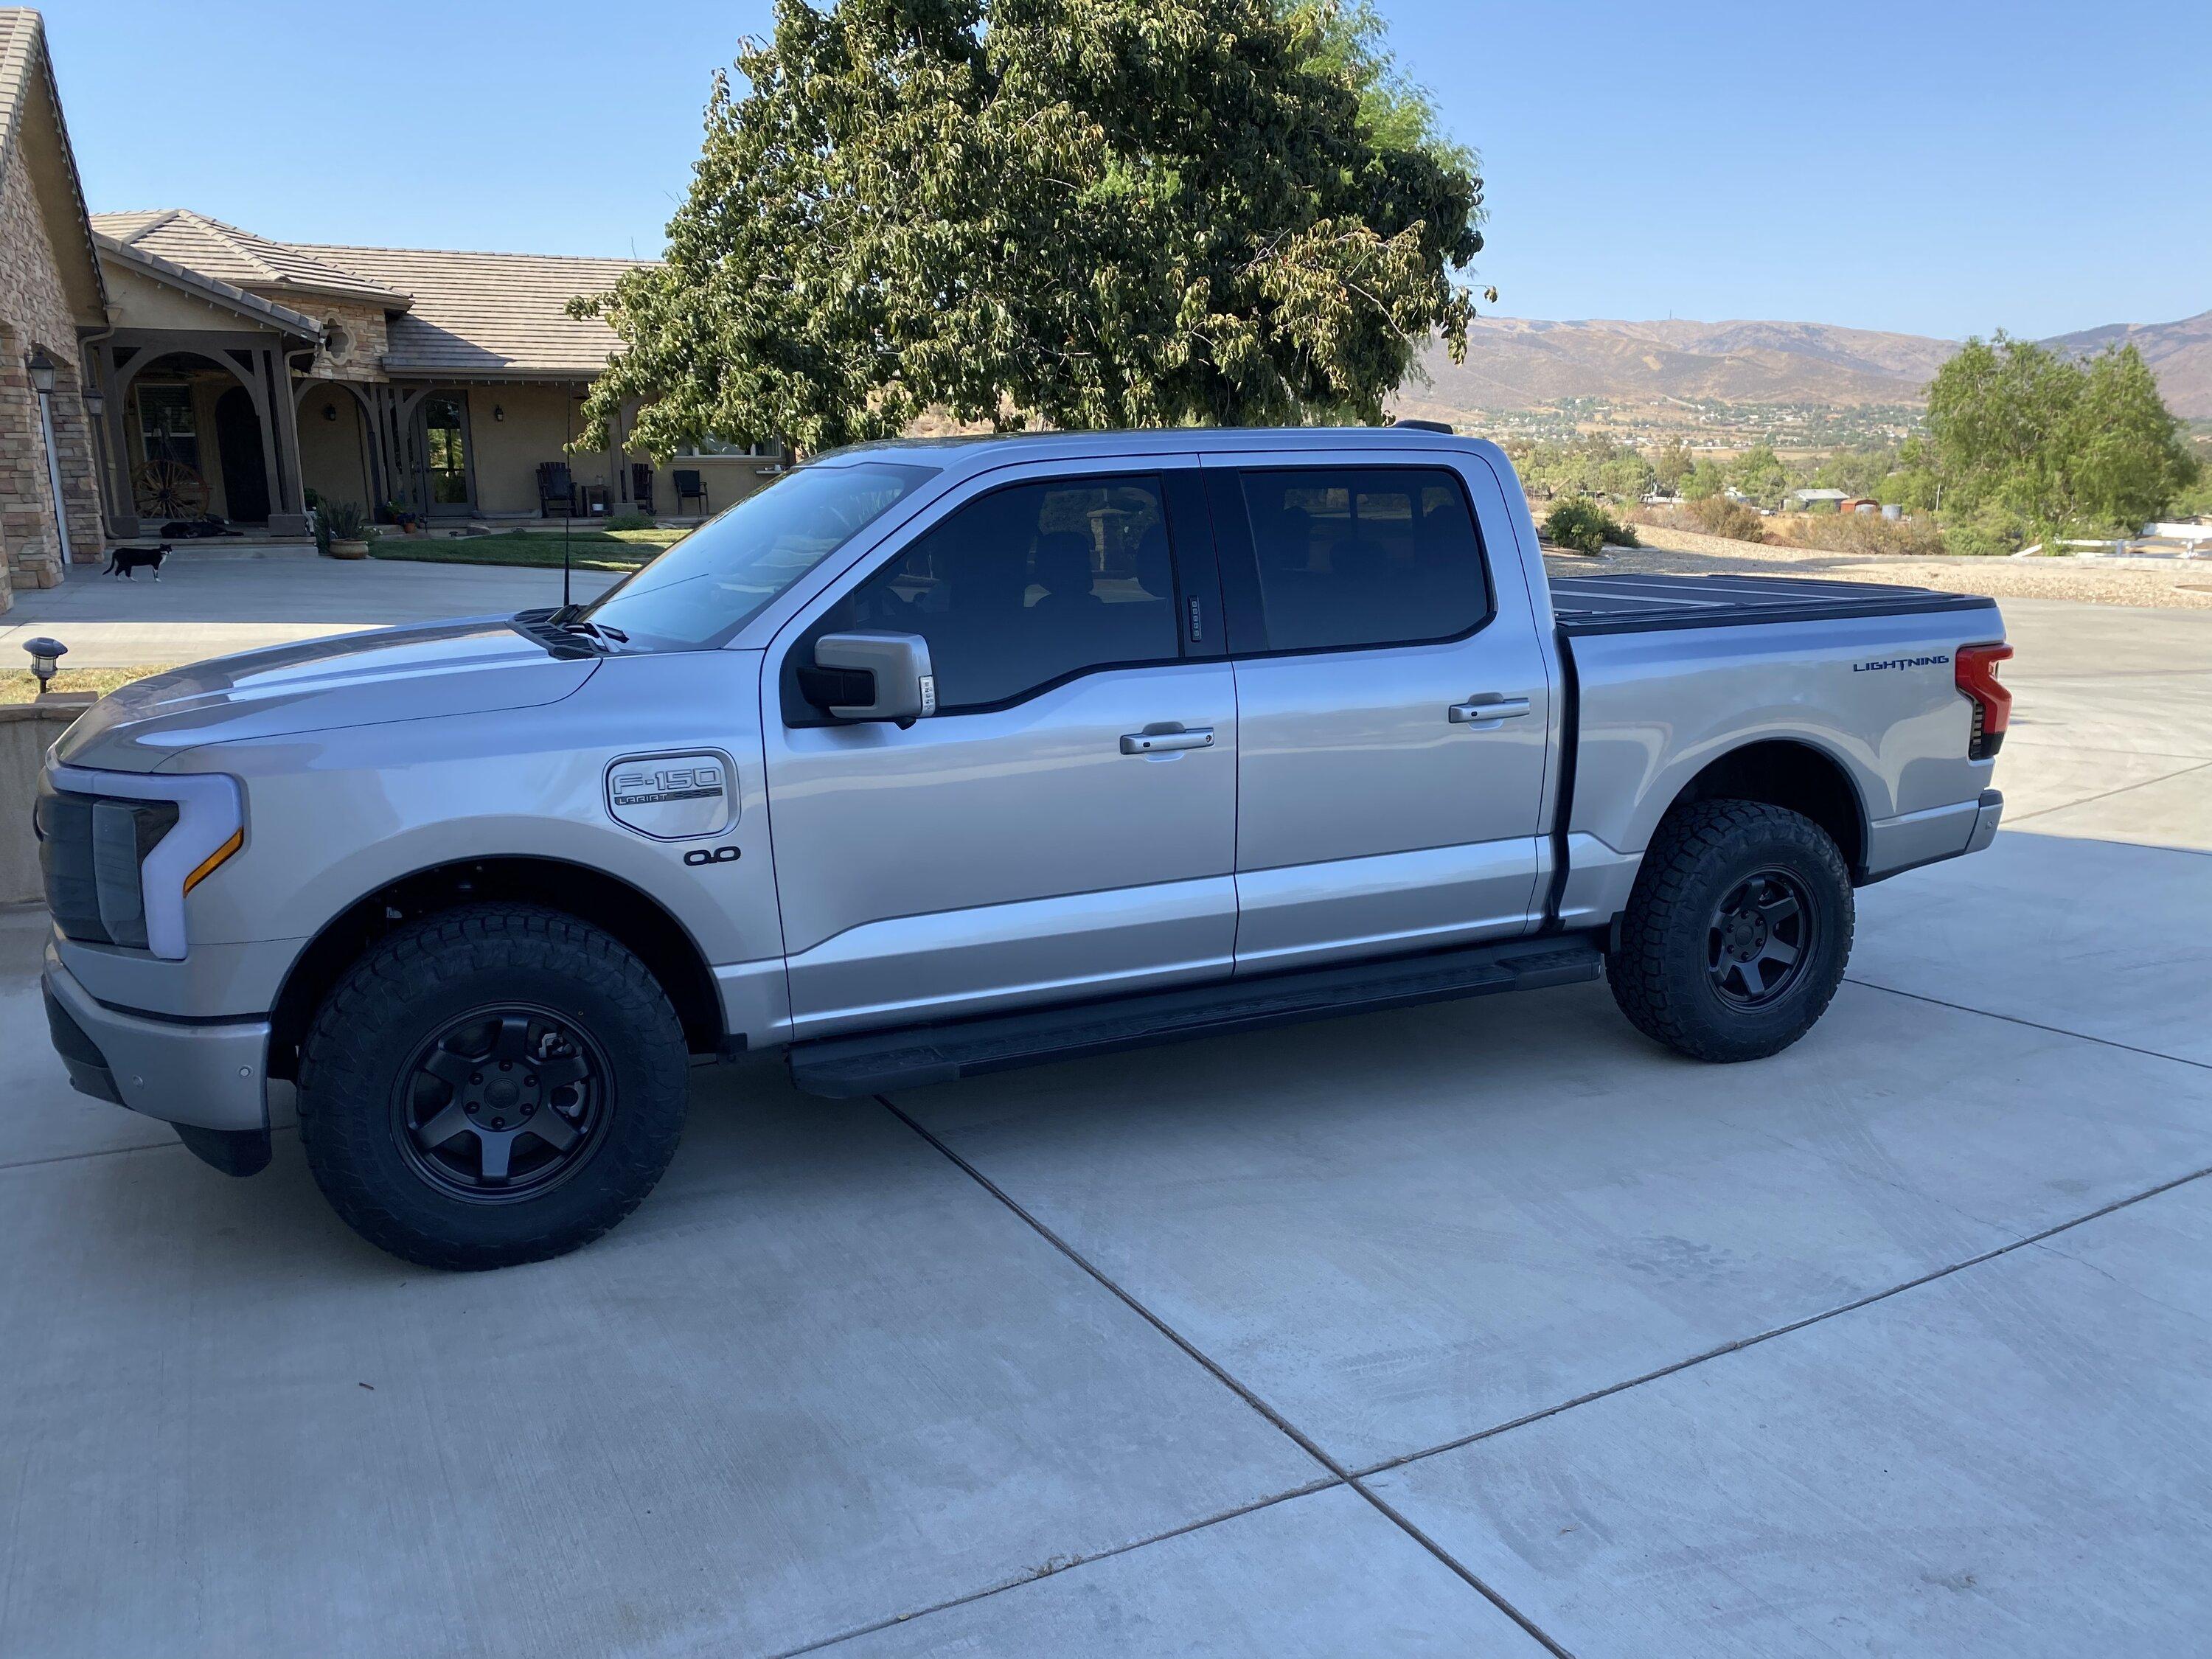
(844, 1067)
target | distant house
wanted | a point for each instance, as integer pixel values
(1810, 499)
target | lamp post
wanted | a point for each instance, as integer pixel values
(44, 654)
(41, 370)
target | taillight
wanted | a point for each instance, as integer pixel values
(1975, 670)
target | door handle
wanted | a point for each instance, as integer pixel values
(1483, 712)
(1152, 743)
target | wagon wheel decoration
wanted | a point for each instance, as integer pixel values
(168, 489)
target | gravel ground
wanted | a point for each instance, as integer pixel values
(2185, 587)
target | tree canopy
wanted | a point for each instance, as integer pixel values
(1083, 213)
(2035, 443)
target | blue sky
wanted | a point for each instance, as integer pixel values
(1932, 168)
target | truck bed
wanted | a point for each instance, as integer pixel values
(1634, 604)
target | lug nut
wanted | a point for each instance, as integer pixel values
(475, 1077)
(499, 1123)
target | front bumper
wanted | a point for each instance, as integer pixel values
(206, 1075)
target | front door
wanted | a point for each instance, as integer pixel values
(447, 490)
(245, 470)
(1034, 840)
(1380, 809)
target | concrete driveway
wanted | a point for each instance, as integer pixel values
(215, 598)
(1486, 1329)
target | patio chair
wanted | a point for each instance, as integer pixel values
(688, 484)
(640, 487)
(554, 488)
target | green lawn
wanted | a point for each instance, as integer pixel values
(24, 687)
(592, 550)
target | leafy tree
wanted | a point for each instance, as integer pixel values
(1854, 471)
(1085, 213)
(1759, 476)
(1911, 483)
(2025, 442)
(1672, 465)
(1705, 482)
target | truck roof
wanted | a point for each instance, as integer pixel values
(986, 448)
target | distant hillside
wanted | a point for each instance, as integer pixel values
(1523, 363)
(2179, 354)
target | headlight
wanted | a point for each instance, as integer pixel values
(119, 851)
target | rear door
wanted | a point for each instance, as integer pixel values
(1064, 826)
(1393, 707)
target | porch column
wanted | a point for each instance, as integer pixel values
(280, 442)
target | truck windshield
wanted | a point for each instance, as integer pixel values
(717, 579)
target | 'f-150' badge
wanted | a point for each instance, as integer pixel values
(674, 796)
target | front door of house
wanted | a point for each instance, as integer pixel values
(444, 433)
(245, 471)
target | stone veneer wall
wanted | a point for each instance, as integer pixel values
(35, 315)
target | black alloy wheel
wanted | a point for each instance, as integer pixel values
(1760, 938)
(501, 1103)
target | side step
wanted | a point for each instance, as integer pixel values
(843, 1067)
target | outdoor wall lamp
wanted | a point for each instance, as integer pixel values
(95, 405)
(45, 653)
(330, 411)
(498, 413)
(42, 373)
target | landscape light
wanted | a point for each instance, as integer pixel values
(45, 653)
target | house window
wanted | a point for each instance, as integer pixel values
(166, 428)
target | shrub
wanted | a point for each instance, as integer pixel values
(1581, 524)
(1717, 515)
(345, 519)
(1865, 533)
(629, 521)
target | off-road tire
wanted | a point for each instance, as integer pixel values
(1660, 969)
(428, 972)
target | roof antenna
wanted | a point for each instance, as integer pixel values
(568, 513)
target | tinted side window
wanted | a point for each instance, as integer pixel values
(1364, 556)
(1029, 585)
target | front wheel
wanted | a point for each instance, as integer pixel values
(1737, 932)
(492, 1085)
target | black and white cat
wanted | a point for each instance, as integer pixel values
(124, 561)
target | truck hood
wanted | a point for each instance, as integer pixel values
(478, 665)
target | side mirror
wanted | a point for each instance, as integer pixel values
(871, 677)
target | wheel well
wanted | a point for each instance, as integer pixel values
(591, 895)
(1795, 775)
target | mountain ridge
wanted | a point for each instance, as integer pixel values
(1524, 363)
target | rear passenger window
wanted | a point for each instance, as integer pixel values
(1364, 556)
(1028, 586)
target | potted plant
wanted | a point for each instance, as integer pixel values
(408, 520)
(349, 529)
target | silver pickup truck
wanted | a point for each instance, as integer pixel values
(933, 758)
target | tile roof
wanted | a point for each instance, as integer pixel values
(26, 77)
(211, 288)
(497, 313)
(238, 256)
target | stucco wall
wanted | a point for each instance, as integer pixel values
(333, 461)
(538, 421)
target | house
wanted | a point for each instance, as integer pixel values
(1812, 500)
(164, 365)
(52, 296)
(244, 372)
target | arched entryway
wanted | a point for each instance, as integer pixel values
(197, 443)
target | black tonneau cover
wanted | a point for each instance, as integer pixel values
(1636, 605)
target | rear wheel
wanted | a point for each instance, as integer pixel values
(1737, 932)
(495, 1084)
